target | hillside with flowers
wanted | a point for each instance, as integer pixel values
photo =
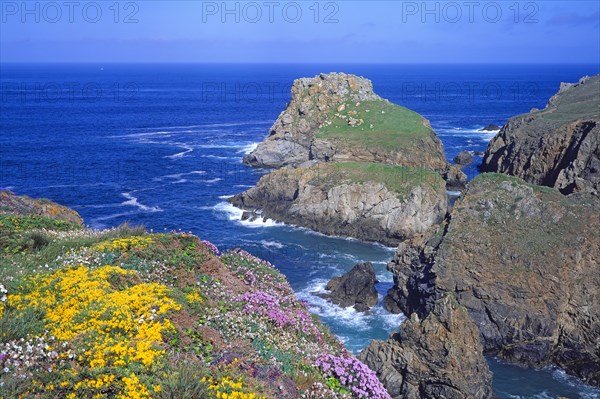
(121, 313)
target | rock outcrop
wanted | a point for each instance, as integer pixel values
(439, 356)
(558, 146)
(23, 205)
(464, 158)
(372, 202)
(355, 288)
(524, 261)
(290, 138)
(338, 118)
(490, 128)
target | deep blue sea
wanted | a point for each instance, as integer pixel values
(161, 145)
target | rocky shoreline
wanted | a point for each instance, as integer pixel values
(512, 264)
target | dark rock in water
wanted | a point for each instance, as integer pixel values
(464, 158)
(439, 356)
(558, 146)
(490, 128)
(355, 288)
(523, 260)
(250, 216)
(478, 153)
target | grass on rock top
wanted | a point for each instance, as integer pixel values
(398, 179)
(374, 124)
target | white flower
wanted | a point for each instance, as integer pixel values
(6, 370)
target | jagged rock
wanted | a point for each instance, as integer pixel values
(490, 128)
(23, 205)
(355, 288)
(523, 260)
(464, 158)
(373, 202)
(558, 146)
(439, 356)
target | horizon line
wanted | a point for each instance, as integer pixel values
(595, 63)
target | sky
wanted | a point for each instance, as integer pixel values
(311, 31)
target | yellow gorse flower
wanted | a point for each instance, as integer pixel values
(230, 389)
(117, 327)
(193, 297)
(124, 244)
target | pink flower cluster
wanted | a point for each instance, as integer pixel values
(352, 373)
(212, 247)
(294, 315)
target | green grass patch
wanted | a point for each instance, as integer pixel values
(381, 124)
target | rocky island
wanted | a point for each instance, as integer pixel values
(352, 164)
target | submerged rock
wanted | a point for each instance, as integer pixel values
(523, 260)
(439, 356)
(355, 288)
(558, 146)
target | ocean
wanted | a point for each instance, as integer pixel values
(161, 145)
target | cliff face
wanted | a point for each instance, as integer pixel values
(558, 146)
(372, 202)
(436, 357)
(524, 261)
(353, 164)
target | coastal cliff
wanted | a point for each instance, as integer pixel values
(558, 146)
(524, 261)
(127, 314)
(439, 356)
(372, 202)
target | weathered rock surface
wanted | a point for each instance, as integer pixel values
(372, 202)
(464, 158)
(439, 356)
(23, 205)
(558, 146)
(290, 138)
(524, 260)
(355, 288)
(338, 118)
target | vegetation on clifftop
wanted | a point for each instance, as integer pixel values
(125, 314)
(376, 124)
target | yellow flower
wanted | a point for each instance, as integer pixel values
(119, 327)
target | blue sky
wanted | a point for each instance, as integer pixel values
(285, 31)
